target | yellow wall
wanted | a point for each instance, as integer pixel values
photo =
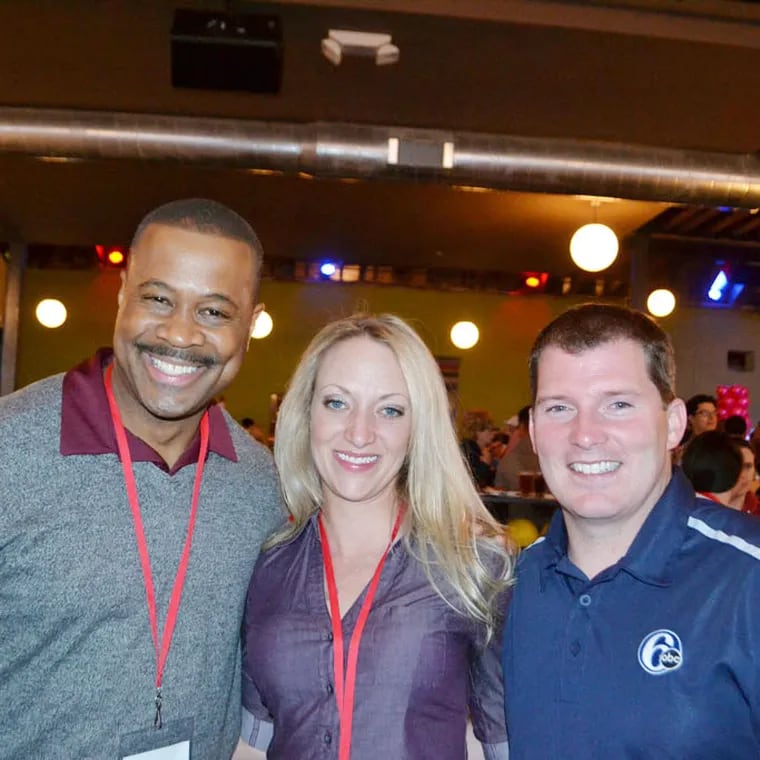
(493, 374)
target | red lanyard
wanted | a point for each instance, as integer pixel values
(162, 646)
(345, 685)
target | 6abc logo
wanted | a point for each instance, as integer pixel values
(661, 652)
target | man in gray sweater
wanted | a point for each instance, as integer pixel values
(132, 511)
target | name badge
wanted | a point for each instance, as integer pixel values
(179, 751)
(171, 742)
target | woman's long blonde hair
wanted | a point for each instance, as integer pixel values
(447, 525)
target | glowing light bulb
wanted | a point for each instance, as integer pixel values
(464, 334)
(593, 247)
(50, 312)
(661, 302)
(263, 326)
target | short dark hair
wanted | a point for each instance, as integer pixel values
(692, 405)
(207, 217)
(590, 325)
(735, 425)
(523, 416)
(712, 462)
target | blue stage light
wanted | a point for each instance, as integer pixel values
(715, 293)
(328, 269)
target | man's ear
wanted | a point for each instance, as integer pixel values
(677, 418)
(120, 296)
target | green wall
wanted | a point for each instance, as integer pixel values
(493, 374)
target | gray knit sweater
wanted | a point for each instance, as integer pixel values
(77, 663)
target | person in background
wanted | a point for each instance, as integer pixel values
(702, 413)
(518, 457)
(735, 426)
(372, 621)
(746, 487)
(250, 426)
(713, 464)
(638, 610)
(497, 448)
(477, 433)
(129, 499)
(754, 440)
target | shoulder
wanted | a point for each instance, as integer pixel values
(282, 565)
(250, 453)
(37, 398)
(30, 419)
(534, 553)
(726, 531)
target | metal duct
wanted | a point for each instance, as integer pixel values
(348, 150)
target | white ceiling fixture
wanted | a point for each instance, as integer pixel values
(340, 42)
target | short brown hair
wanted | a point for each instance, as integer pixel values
(589, 325)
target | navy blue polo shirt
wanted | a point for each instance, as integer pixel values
(656, 657)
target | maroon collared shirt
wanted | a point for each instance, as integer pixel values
(86, 426)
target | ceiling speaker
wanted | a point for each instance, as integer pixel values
(220, 51)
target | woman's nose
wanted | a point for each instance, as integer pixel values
(361, 428)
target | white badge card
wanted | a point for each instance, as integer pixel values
(170, 742)
(179, 751)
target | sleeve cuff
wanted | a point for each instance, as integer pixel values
(498, 751)
(258, 733)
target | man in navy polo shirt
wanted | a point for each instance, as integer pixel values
(634, 627)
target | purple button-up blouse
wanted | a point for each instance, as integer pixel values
(422, 666)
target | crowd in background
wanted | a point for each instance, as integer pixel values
(718, 455)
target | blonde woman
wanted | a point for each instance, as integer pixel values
(372, 622)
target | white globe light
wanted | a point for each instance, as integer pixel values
(661, 302)
(50, 312)
(464, 334)
(263, 326)
(593, 247)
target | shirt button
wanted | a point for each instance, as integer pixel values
(584, 600)
(329, 636)
(329, 688)
(575, 648)
(327, 739)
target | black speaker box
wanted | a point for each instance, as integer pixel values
(220, 51)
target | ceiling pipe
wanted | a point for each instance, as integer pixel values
(542, 165)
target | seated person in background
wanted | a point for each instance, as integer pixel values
(735, 426)
(713, 463)
(497, 448)
(372, 621)
(477, 433)
(518, 457)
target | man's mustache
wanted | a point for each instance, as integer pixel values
(183, 355)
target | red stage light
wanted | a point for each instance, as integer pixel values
(535, 280)
(112, 255)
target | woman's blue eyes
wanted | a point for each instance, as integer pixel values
(386, 411)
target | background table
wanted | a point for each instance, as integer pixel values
(509, 505)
